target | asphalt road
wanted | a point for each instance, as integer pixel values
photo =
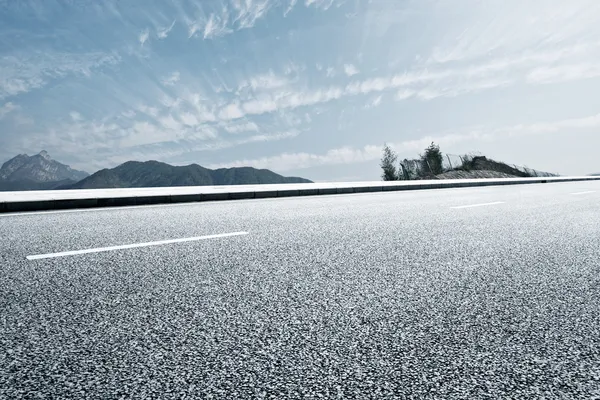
(457, 293)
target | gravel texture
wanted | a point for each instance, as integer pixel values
(473, 175)
(386, 295)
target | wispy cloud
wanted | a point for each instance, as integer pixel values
(241, 128)
(350, 70)
(374, 102)
(128, 114)
(75, 116)
(232, 111)
(189, 119)
(7, 108)
(290, 7)
(150, 111)
(24, 72)
(234, 15)
(162, 33)
(427, 83)
(592, 121)
(322, 4)
(143, 36)
(266, 81)
(249, 11)
(563, 73)
(216, 26)
(171, 79)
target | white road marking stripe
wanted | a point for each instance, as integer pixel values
(132, 246)
(478, 205)
(580, 193)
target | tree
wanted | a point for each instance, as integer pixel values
(388, 164)
(432, 162)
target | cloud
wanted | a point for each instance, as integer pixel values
(143, 36)
(142, 133)
(290, 7)
(7, 108)
(241, 128)
(350, 70)
(293, 68)
(232, 111)
(193, 28)
(28, 71)
(267, 104)
(428, 83)
(150, 111)
(162, 33)
(128, 114)
(404, 94)
(295, 161)
(563, 73)
(592, 121)
(170, 123)
(267, 138)
(203, 111)
(189, 119)
(75, 116)
(266, 81)
(216, 26)
(234, 15)
(330, 72)
(482, 29)
(322, 4)
(216, 145)
(172, 79)
(374, 102)
(249, 11)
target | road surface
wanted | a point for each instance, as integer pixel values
(456, 293)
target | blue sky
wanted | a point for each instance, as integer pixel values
(303, 87)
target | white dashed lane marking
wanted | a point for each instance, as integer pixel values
(478, 205)
(133, 246)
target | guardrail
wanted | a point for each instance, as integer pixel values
(84, 198)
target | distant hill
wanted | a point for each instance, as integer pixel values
(158, 174)
(38, 172)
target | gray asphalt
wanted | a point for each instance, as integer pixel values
(385, 295)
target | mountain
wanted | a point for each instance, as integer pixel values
(38, 172)
(38, 168)
(158, 174)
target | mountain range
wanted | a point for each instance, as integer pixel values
(41, 172)
(158, 174)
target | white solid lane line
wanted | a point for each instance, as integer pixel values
(132, 246)
(478, 205)
(581, 193)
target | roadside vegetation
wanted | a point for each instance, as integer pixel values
(433, 164)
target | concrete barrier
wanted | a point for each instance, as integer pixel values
(73, 199)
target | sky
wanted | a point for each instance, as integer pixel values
(310, 88)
